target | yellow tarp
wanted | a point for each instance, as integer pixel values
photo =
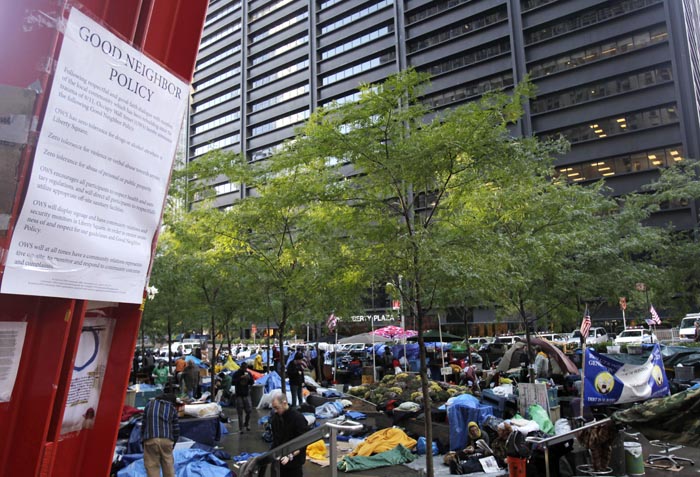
(316, 450)
(231, 364)
(383, 440)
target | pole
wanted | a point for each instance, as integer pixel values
(442, 351)
(374, 353)
(583, 376)
(624, 321)
(335, 355)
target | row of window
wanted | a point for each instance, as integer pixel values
(279, 50)
(473, 56)
(216, 100)
(261, 154)
(526, 5)
(637, 162)
(206, 126)
(281, 73)
(217, 58)
(366, 38)
(222, 13)
(279, 27)
(350, 98)
(266, 10)
(218, 78)
(359, 68)
(355, 16)
(281, 122)
(459, 30)
(605, 50)
(223, 33)
(470, 90)
(586, 18)
(602, 89)
(218, 144)
(328, 3)
(432, 9)
(280, 98)
(616, 125)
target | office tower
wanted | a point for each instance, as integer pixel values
(618, 78)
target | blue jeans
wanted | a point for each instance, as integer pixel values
(296, 394)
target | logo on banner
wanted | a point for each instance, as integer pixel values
(608, 381)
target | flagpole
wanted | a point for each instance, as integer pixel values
(374, 354)
(583, 376)
(335, 355)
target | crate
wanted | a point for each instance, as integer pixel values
(684, 373)
(555, 414)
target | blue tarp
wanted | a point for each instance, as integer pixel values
(188, 463)
(462, 410)
(271, 381)
(197, 361)
(329, 410)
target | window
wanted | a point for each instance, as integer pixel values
(218, 78)
(357, 69)
(279, 123)
(355, 16)
(210, 40)
(279, 50)
(471, 57)
(470, 90)
(268, 9)
(206, 126)
(279, 27)
(609, 87)
(222, 13)
(366, 38)
(216, 100)
(458, 30)
(434, 8)
(223, 142)
(215, 59)
(280, 73)
(287, 95)
(611, 48)
(226, 188)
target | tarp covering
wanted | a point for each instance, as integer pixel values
(673, 419)
(395, 456)
(383, 440)
(271, 381)
(461, 410)
(188, 463)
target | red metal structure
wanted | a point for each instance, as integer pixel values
(31, 443)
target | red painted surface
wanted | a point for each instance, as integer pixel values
(30, 441)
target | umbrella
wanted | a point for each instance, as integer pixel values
(393, 332)
(434, 335)
(559, 362)
(365, 338)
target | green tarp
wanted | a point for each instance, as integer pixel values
(673, 419)
(395, 456)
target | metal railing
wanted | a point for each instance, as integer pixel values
(257, 466)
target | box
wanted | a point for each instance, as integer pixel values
(684, 373)
(555, 414)
(367, 379)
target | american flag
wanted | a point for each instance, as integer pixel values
(331, 322)
(655, 318)
(585, 325)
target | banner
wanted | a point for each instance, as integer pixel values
(609, 381)
(100, 172)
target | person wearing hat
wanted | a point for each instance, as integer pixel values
(295, 373)
(159, 433)
(242, 381)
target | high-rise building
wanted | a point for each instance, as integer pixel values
(619, 78)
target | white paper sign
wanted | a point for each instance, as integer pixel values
(88, 374)
(100, 171)
(11, 343)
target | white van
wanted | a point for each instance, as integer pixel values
(687, 328)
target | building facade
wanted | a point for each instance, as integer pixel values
(618, 78)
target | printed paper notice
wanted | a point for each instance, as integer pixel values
(88, 374)
(11, 342)
(100, 172)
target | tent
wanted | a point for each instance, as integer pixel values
(394, 332)
(559, 362)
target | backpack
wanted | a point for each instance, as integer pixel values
(516, 446)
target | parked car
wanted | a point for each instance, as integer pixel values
(687, 328)
(596, 335)
(635, 336)
(555, 338)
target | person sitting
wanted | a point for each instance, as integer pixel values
(467, 460)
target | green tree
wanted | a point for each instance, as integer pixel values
(395, 212)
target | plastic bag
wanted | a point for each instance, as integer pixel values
(539, 415)
(421, 447)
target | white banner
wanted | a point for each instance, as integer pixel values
(88, 374)
(100, 171)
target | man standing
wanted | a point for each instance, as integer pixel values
(242, 380)
(295, 373)
(190, 377)
(287, 424)
(160, 431)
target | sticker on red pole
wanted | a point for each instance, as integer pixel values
(100, 171)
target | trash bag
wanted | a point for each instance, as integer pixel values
(540, 416)
(421, 447)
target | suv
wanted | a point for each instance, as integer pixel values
(596, 335)
(635, 336)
